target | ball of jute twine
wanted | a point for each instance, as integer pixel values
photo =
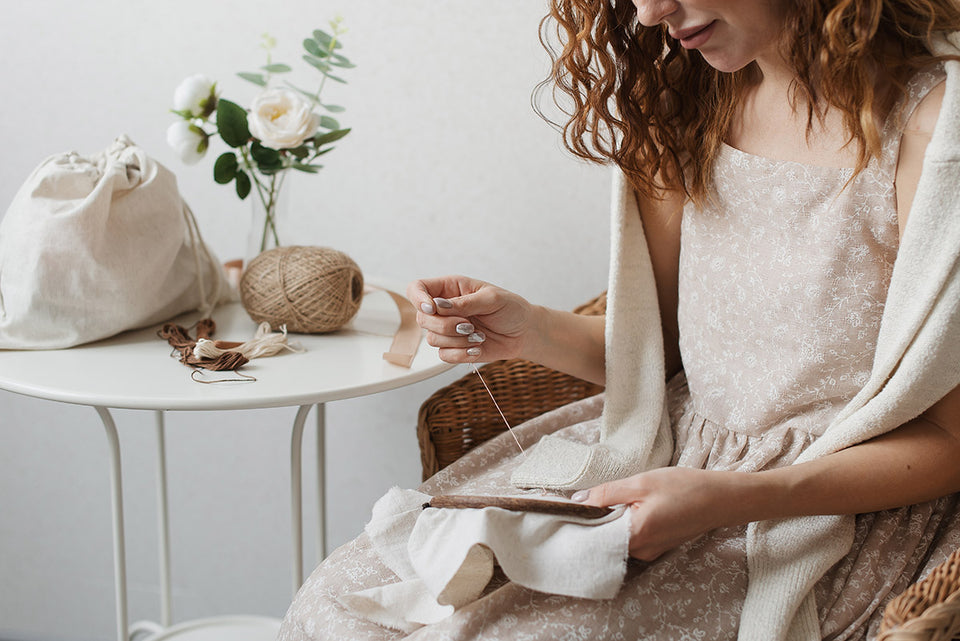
(309, 289)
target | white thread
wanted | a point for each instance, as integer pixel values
(264, 343)
(497, 405)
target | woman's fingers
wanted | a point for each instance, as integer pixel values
(613, 493)
(470, 320)
(468, 355)
(433, 295)
(452, 296)
(469, 337)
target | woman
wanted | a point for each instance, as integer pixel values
(774, 149)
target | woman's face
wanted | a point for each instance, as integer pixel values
(729, 34)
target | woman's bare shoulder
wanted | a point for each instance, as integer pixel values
(913, 144)
(924, 117)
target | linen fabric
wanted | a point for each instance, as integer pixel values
(93, 246)
(445, 557)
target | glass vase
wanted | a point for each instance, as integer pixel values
(268, 209)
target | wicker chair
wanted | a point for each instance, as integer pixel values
(460, 416)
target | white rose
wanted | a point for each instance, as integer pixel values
(196, 96)
(281, 119)
(188, 141)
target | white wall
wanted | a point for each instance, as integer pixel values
(448, 169)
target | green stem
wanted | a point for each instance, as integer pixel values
(330, 49)
(268, 200)
(276, 186)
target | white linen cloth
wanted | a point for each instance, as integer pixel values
(917, 362)
(445, 557)
(93, 246)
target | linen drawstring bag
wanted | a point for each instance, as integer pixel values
(93, 246)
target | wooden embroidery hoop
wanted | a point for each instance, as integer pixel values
(519, 504)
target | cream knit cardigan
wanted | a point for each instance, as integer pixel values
(917, 361)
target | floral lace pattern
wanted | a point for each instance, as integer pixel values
(783, 289)
(782, 286)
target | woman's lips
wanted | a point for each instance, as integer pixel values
(695, 36)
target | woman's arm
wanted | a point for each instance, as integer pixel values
(914, 463)
(473, 321)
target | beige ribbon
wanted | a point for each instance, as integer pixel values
(406, 340)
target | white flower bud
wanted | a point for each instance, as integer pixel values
(195, 96)
(189, 141)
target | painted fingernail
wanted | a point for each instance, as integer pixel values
(476, 337)
(443, 303)
(474, 351)
(580, 496)
(465, 329)
(427, 308)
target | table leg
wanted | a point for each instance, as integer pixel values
(119, 546)
(296, 500)
(296, 494)
(163, 523)
(321, 481)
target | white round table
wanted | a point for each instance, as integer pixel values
(135, 370)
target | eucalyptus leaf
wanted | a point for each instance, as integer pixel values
(277, 67)
(300, 152)
(312, 97)
(338, 60)
(334, 109)
(232, 123)
(313, 48)
(325, 39)
(310, 169)
(333, 136)
(255, 78)
(335, 78)
(225, 168)
(243, 185)
(329, 123)
(316, 62)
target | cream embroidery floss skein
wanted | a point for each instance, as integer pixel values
(264, 343)
(308, 289)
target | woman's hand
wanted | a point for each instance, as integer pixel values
(470, 320)
(672, 505)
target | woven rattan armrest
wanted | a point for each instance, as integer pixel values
(460, 416)
(929, 610)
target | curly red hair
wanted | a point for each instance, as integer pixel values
(660, 112)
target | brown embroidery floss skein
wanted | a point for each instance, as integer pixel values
(309, 289)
